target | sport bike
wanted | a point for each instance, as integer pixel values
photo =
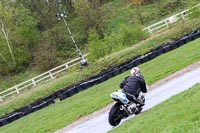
(123, 107)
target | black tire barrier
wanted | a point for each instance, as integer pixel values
(63, 96)
(173, 45)
(50, 97)
(131, 64)
(99, 78)
(109, 75)
(159, 52)
(14, 116)
(95, 81)
(3, 121)
(146, 57)
(195, 36)
(153, 55)
(87, 85)
(138, 61)
(21, 112)
(167, 48)
(80, 88)
(57, 93)
(180, 42)
(123, 68)
(116, 72)
(43, 104)
(28, 111)
(72, 91)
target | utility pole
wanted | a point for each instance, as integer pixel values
(63, 16)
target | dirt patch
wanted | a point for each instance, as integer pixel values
(155, 85)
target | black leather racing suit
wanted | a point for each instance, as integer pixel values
(133, 85)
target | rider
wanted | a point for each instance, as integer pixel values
(134, 85)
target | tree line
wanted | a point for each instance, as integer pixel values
(32, 37)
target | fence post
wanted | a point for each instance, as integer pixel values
(33, 81)
(1, 100)
(17, 91)
(166, 23)
(51, 75)
(149, 29)
(66, 65)
(182, 15)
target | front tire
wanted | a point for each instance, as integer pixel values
(115, 115)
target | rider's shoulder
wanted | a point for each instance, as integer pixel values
(126, 77)
(136, 77)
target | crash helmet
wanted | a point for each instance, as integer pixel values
(135, 71)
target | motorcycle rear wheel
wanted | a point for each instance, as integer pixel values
(115, 115)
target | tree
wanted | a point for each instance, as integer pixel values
(18, 36)
(5, 27)
(5, 35)
(91, 14)
(137, 5)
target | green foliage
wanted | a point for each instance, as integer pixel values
(132, 34)
(45, 57)
(92, 15)
(94, 45)
(120, 14)
(7, 56)
(22, 36)
(195, 13)
(31, 23)
(25, 26)
(169, 8)
(126, 36)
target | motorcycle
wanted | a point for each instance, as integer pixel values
(123, 107)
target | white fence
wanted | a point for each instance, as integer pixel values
(49, 75)
(168, 21)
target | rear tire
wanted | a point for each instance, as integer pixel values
(115, 115)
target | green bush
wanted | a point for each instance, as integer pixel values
(94, 45)
(195, 13)
(132, 34)
(127, 36)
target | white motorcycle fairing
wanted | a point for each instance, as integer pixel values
(120, 96)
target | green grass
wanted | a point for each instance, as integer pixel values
(179, 114)
(65, 112)
(124, 12)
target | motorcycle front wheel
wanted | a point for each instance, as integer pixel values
(115, 115)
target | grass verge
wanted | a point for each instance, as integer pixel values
(65, 112)
(179, 114)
